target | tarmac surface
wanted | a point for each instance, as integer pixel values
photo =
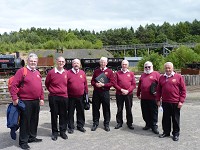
(121, 139)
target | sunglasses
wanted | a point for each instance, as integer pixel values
(147, 67)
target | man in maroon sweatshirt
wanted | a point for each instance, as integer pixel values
(101, 95)
(148, 98)
(56, 83)
(172, 92)
(124, 85)
(77, 86)
(29, 90)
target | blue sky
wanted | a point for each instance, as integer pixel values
(94, 15)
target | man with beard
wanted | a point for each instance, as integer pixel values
(101, 94)
(77, 86)
(148, 98)
(125, 84)
(172, 92)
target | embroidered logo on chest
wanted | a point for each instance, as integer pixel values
(173, 80)
(128, 75)
(106, 73)
(151, 77)
(81, 76)
(65, 76)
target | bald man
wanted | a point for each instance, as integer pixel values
(77, 86)
(56, 83)
(172, 92)
(148, 99)
(124, 85)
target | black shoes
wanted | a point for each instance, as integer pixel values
(155, 131)
(70, 131)
(25, 146)
(106, 128)
(146, 128)
(81, 129)
(175, 138)
(131, 127)
(118, 126)
(54, 137)
(34, 140)
(94, 127)
(164, 135)
(63, 135)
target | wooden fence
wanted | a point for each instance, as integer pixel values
(190, 80)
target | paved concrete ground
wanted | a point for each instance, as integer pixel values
(115, 139)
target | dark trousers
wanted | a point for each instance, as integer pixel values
(150, 113)
(128, 99)
(29, 121)
(171, 113)
(76, 103)
(58, 106)
(98, 99)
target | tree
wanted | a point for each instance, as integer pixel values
(155, 58)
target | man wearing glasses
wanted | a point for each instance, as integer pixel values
(144, 92)
(56, 83)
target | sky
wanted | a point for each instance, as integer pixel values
(97, 15)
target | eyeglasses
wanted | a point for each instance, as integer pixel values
(147, 67)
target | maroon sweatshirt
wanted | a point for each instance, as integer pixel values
(32, 86)
(172, 89)
(144, 85)
(109, 73)
(77, 83)
(124, 81)
(56, 83)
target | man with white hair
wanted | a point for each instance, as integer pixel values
(148, 98)
(29, 90)
(124, 85)
(77, 86)
(101, 94)
(172, 92)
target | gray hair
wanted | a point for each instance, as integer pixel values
(76, 60)
(148, 63)
(125, 61)
(169, 63)
(104, 58)
(32, 55)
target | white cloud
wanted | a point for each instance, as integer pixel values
(93, 14)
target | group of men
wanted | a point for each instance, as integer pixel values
(67, 89)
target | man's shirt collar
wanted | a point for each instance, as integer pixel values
(75, 71)
(60, 72)
(168, 76)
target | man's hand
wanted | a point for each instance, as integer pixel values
(158, 103)
(41, 102)
(124, 92)
(15, 102)
(99, 84)
(180, 105)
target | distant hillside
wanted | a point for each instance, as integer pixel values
(75, 53)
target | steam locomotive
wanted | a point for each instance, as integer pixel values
(9, 64)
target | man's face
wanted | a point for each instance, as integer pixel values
(148, 68)
(76, 65)
(32, 62)
(60, 62)
(168, 69)
(124, 66)
(103, 63)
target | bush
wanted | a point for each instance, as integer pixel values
(155, 58)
